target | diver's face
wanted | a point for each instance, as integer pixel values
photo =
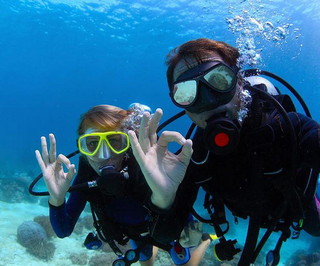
(98, 163)
(105, 156)
(200, 119)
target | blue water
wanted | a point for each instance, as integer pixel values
(58, 58)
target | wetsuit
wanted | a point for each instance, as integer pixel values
(232, 178)
(120, 216)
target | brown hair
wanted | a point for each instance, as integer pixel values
(104, 117)
(200, 48)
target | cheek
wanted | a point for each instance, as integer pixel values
(197, 119)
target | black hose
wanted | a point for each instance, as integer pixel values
(170, 120)
(251, 241)
(257, 72)
(291, 131)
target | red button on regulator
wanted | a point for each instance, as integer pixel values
(221, 139)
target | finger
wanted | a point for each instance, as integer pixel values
(71, 172)
(143, 131)
(40, 161)
(44, 150)
(53, 148)
(170, 136)
(62, 160)
(153, 126)
(186, 152)
(136, 148)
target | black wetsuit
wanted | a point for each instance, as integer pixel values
(232, 177)
(64, 218)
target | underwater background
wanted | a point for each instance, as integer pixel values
(58, 58)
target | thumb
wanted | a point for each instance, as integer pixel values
(186, 152)
(71, 172)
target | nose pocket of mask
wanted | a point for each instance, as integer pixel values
(104, 151)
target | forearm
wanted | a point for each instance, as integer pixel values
(64, 217)
(59, 221)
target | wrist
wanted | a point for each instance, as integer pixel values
(56, 202)
(161, 202)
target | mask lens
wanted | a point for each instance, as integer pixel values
(184, 93)
(221, 78)
(118, 142)
(89, 144)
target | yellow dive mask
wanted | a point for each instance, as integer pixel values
(116, 141)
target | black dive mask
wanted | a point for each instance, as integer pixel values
(111, 182)
(221, 134)
(204, 87)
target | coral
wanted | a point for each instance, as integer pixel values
(32, 236)
(302, 258)
(87, 222)
(44, 251)
(30, 233)
(102, 259)
(44, 221)
(79, 258)
(15, 190)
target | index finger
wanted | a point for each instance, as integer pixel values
(170, 136)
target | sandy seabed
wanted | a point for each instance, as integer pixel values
(12, 253)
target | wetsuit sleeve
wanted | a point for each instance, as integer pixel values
(308, 134)
(168, 225)
(63, 218)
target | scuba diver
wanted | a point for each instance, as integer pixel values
(252, 152)
(110, 179)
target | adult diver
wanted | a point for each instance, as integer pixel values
(251, 152)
